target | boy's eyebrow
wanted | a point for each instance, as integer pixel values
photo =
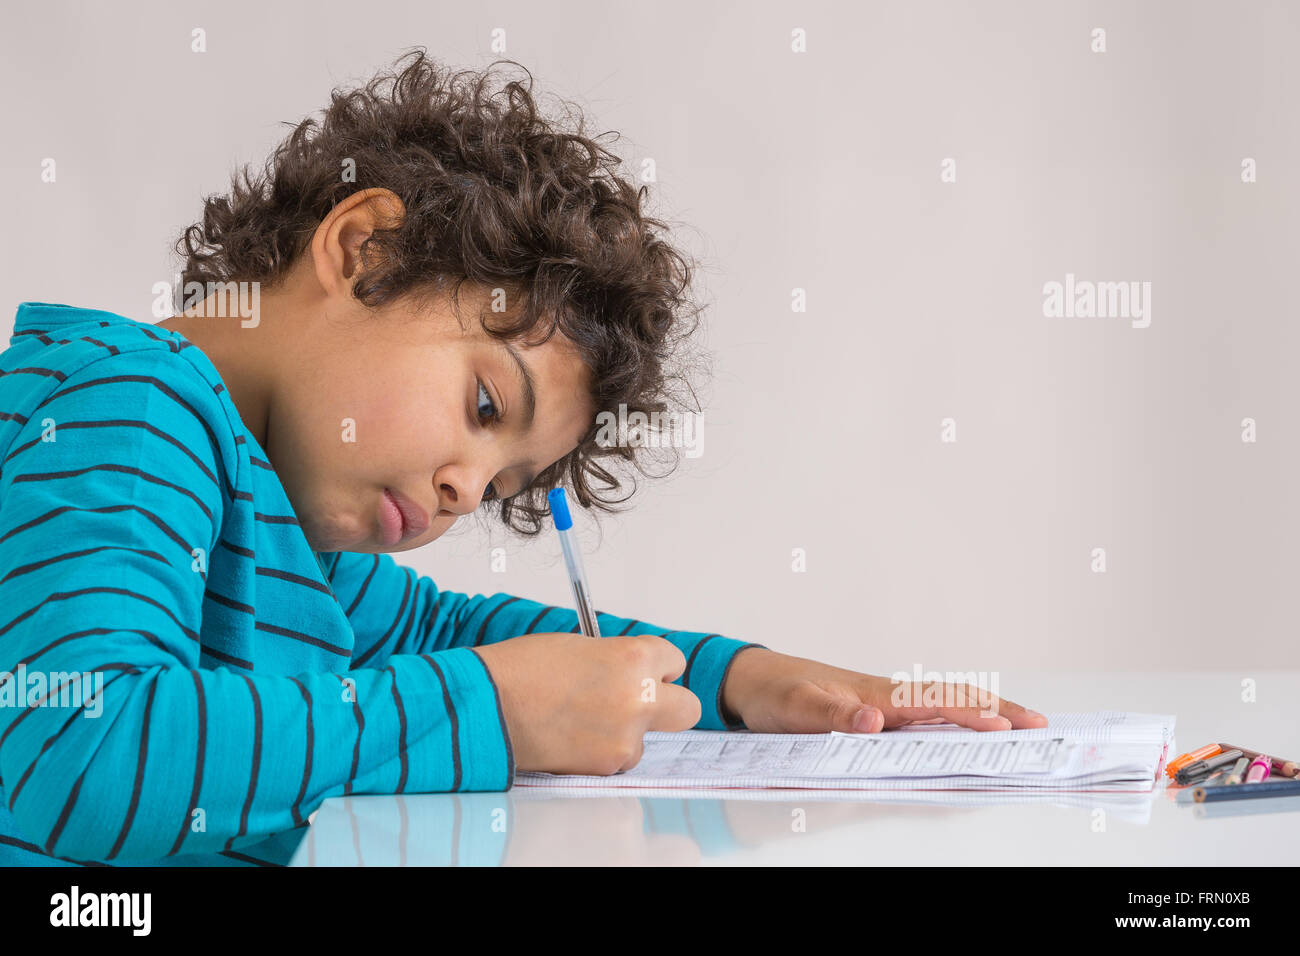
(530, 394)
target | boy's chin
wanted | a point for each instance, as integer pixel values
(328, 538)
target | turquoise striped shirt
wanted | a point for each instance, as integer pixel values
(183, 680)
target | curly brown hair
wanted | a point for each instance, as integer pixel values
(496, 195)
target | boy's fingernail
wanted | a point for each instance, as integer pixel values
(864, 718)
(1033, 713)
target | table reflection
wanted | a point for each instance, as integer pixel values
(618, 827)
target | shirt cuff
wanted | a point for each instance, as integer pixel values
(486, 759)
(707, 664)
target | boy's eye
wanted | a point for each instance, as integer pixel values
(487, 412)
(485, 400)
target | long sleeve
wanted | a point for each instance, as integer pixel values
(394, 610)
(115, 744)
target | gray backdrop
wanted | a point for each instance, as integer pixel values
(828, 171)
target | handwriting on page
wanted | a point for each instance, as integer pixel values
(881, 756)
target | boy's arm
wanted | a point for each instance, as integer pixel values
(394, 610)
(140, 753)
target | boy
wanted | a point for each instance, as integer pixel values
(202, 635)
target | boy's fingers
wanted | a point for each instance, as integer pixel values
(973, 717)
(814, 711)
(677, 708)
(986, 711)
(1022, 718)
(976, 718)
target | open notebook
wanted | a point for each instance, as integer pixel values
(1104, 751)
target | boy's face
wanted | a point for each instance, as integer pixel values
(406, 402)
(352, 404)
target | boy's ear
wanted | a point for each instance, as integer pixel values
(336, 246)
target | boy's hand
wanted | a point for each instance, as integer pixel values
(777, 693)
(574, 704)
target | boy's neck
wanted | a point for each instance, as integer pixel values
(239, 355)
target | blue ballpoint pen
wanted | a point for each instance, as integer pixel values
(573, 561)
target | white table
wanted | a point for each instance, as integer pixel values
(686, 827)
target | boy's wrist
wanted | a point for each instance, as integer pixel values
(741, 679)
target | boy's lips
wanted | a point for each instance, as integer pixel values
(402, 518)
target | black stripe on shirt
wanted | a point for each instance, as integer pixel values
(364, 585)
(170, 342)
(139, 775)
(450, 706)
(49, 742)
(482, 630)
(224, 601)
(245, 858)
(112, 349)
(401, 611)
(690, 661)
(37, 565)
(401, 733)
(294, 578)
(306, 770)
(124, 423)
(200, 752)
(166, 390)
(226, 658)
(361, 725)
(32, 370)
(71, 802)
(62, 822)
(299, 636)
(33, 708)
(257, 762)
(152, 638)
(236, 549)
(505, 730)
(65, 595)
(274, 519)
(106, 509)
(124, 469)
(33, 848)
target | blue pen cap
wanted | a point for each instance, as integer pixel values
(560, 509)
